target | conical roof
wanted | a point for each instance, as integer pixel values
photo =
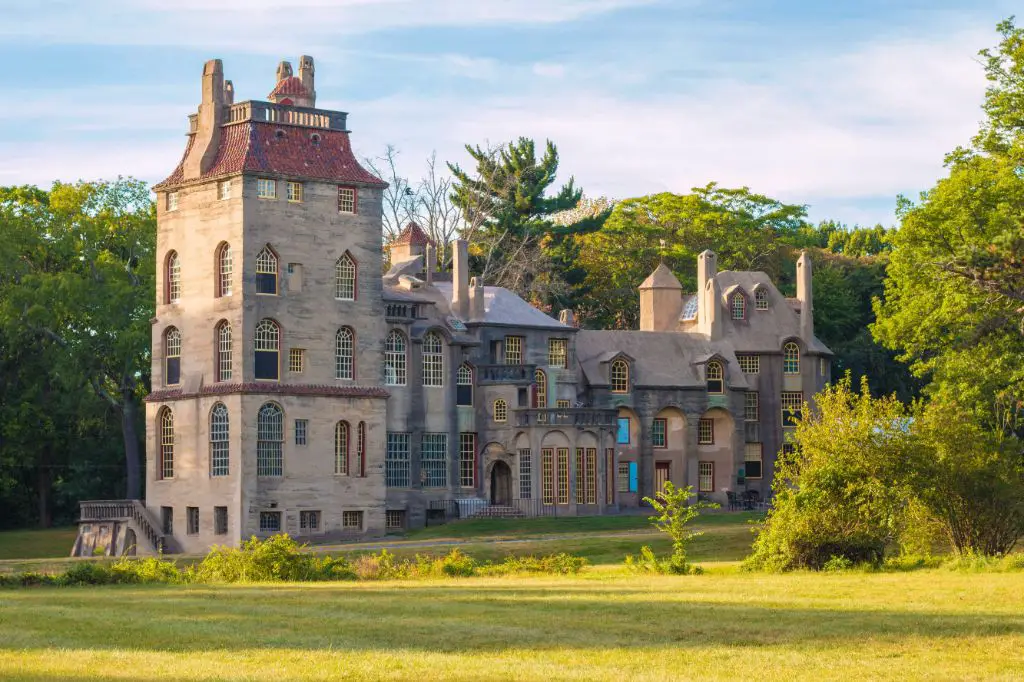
(661, 278)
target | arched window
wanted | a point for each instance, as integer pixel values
(360, 469)
(270, 440)
(715, 377)
(791, 358)
(172, 356)
(464, 387)
(344, 342)
(224, 365)
(540, 397)
(165, 468)
(173, 277)
(620, 376)
(500, 410)
(345, 278)
(225, 267)
(341, 442)
(266, 271)
(761, 299)
(219, 441)
(433, 360)
(394, 359)
(267, 345)
(739, 306)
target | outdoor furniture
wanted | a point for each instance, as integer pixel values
(734, 502)
(751, 499)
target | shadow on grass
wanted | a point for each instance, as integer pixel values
(450, 618)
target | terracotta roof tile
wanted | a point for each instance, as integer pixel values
(257, 147)
(413, 234)
(289, 86)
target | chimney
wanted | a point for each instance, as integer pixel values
(567, 317)
(211, 115)
(284, 70)
(306, 72)
(460, 279)
(476, 299)
(431, 264)
(229, 93)
(712, 306)
(805, 294)
(706, 269)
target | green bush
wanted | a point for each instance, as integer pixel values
(837, 564)
(147, 571)
(277, 559)
(551, 564)
(86, 573)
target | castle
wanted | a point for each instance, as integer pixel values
(297, 389)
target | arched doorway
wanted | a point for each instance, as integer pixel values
(501, 484)
(129, 543)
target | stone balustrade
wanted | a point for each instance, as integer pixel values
(505, 374)
(576, 416)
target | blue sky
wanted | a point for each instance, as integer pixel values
(839, 105)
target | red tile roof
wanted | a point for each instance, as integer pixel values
(289, 86)
(270, 388)
(261, 147)
(413, 234)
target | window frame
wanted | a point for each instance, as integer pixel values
(310, 521)
(342, 447)
(220, 440)
(540, 395)
(714, 377)
(434, 468)
(349, 200)
(513, 350)
(709, 474)
(268, 271)
(191, 520)
(225, 270)
(738, 304)
(619, 431)
(301, 431)
(760, 299)
(525, 473)
(790, 414)
(294, 192)
(270, 444)
(266, 517)
(706, 431)
(223, 190)
(345, 354)
(396, 359)
(432, 356)
(747, 459)
(791, 358)
(467, 459)
(220, 520)
(172, 356)
(558, 353)
(499, 411)
(271, 332)
(397, 460)
(464, 385)
(663, 423)
(750, 363)
(172, 277)
(618, 376)
(262, 187)
(751, 406)
(173, 201)
(165, 421)
(296, 360)
(352, 520)
(346, 278)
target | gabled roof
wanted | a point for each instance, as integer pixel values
(504, 307)
(661, 278)
(413, 235)
(262, 147)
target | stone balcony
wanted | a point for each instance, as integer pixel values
(580, 417)
(520, 375)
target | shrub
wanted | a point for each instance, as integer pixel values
(551, 564)
(146, 571)
(86, 573)
(278, 558)
(837, 564)
(675, 512)
(381, 566)
(458, 565)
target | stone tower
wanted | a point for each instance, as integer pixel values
(661, 301)
(267, 411)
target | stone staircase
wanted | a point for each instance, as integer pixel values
(497, 511)
(119, 526)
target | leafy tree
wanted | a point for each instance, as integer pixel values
(508, 214)
(77, 284)
(674, 514)
(840, 493)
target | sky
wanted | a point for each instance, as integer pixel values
(838, 104)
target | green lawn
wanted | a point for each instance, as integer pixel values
(603, 625)
(37, 544)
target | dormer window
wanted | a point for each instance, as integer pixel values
(739, 306)
(619, 376)
(761, 299)
(715, 377)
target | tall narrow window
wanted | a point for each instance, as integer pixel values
(792, 407)
(172, 201)
(751, 406)
(434, 460)
(541, 395)
(166, 420)
(266, 271)
(467, 460)
(296, 360)
(706, 431)
(739, 306)
(525, 474)
(619, 375)
(396, 461)
(345, 278)
(716, 383)
(346, 200)
(464, 388)
(590, 477)
(360, 468)
(500, 410)
(225, 268)
(173, 277)
(301, 431)
(433, 360)
(267, 346)
(270, 440)
(791, 358)
(558, 353)
(562, 475)
(341, 443)
(581, 490)
(191, 520)
(752, 460)
(394, 359)
(513, 350)
(172, 356)
(706, 477)
(219, 441)
(344, 342)
(547, 475)
(761, 299)
(224, 357)
(659, 433)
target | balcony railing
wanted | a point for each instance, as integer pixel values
(577, 416)
(124, 510)
(506, 374)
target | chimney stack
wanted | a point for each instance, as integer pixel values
(712, 304)
(211, 115)
(805, 294)
(460, 279)
(476, 299)
(567, 317)
(431, 264)
(306, 73)
(706, 270)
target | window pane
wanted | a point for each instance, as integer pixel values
(622, 434)
(434, 459)
(397, 460)
(525, 473)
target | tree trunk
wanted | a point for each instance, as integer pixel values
(133, 478)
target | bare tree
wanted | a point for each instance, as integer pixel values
(399, 197)
(435, 211)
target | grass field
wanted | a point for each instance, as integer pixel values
(37, 544)
(604, 624)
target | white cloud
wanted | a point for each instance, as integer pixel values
(548, 70)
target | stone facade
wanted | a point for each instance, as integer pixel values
(380, 401)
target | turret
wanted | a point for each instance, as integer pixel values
(805, 294)
(661, 301)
